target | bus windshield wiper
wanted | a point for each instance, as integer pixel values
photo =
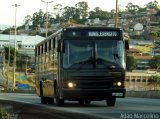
(90, 60)
(93, 61)
(102, 61)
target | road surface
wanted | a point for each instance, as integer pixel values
(125, 108)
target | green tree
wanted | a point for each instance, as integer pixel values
(50, 19)
(155, 80)
(12, 49)
(155, 62)
(141, 9)
(158, 13)
(38, 19)
(8, 30)
(22, 59)
(112, 13)
(70, 13)
(98, 13)
(58, 12)
(153, 5)
(83, 9)
(154, 35)
(131, 63)
(131, 8)
(27, 19)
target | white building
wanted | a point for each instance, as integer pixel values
(96, 21)
(25, 44)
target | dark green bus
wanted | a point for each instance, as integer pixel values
(81, 64)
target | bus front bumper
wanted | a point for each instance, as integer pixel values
(93, 94)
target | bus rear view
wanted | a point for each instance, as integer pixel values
(92, 65)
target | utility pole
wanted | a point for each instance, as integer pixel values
(26, 66)
(15, 34)
(47, 2)
(116, 20)
(8, 58)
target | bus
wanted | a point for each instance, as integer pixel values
(81, 64)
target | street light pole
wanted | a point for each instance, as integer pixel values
(26, 66)
(47, 15)
(116, 20)
(15, 34)
(8, 57)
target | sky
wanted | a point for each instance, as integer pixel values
(29, 7)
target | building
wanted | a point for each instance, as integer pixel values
(143, 62)
(96, 22)
(155, 50)
(25, 44)
(141, 58)
(140, 80)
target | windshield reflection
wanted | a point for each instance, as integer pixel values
(93, 53)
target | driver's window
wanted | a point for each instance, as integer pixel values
(80, 51)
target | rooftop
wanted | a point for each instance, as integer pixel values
(24, 39)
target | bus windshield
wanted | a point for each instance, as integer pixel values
(93, 53)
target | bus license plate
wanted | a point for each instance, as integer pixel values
(117, 94)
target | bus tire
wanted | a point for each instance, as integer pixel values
(111, 101)
(50, 100)
(43, 99)
(87, 102)
(59, 102)
(81, 102)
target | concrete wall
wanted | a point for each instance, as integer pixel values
(143, 94)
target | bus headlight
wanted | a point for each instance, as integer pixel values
(119, 84)
(71, 84)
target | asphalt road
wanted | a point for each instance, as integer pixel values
(126, 108)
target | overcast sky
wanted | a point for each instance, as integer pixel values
(28, 7)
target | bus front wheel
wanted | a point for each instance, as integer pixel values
(84, 101)
(111, 101)
(59, 102)
(43, 100)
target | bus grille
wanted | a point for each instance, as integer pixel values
(90, 82)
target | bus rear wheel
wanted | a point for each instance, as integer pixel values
(50, 100)
(59, 102)
(47, 100)
(111, 101)
(44, 100)
(81, 102)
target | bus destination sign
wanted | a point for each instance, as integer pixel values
(103, 33)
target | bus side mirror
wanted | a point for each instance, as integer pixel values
(126, 44)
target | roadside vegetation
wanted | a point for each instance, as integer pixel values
(6, 112)
(155, 80)
(24, 73)
(29, 79)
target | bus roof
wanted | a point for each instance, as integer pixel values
(79, 29)
(91, 27)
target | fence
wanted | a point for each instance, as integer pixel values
(141, 81)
